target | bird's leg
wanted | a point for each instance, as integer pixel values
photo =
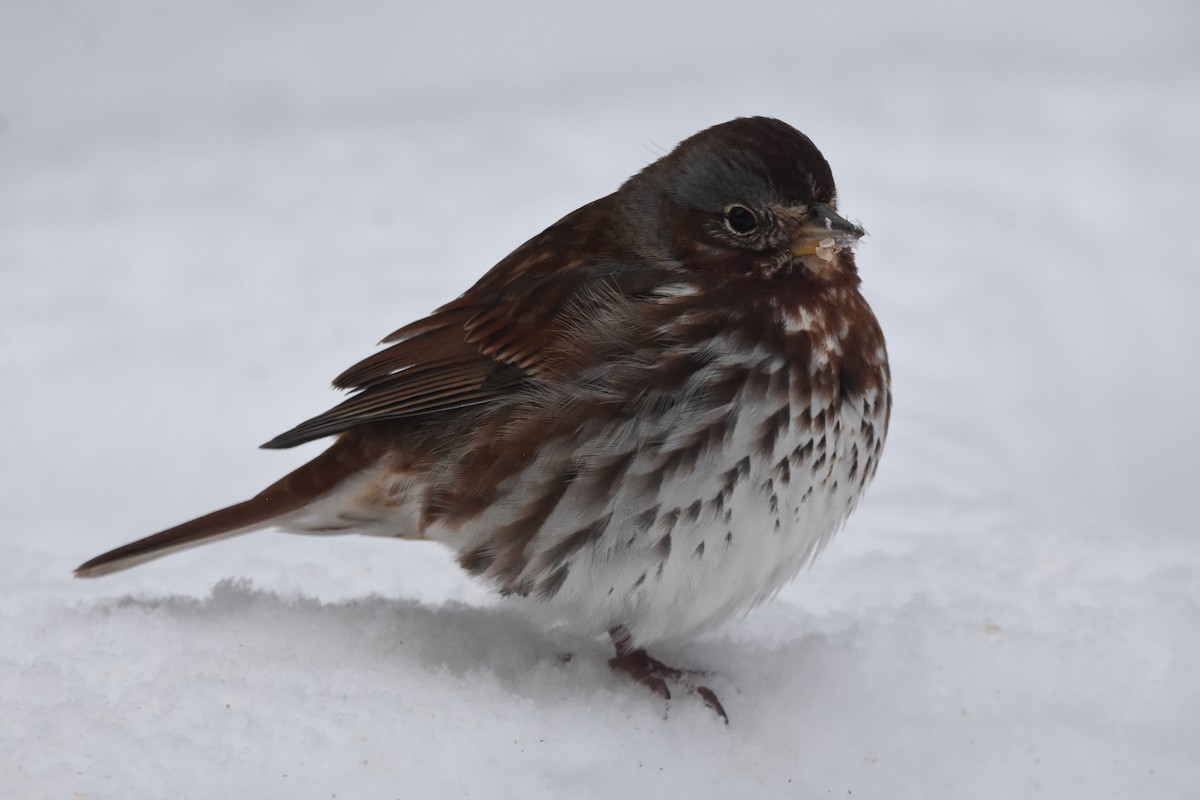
(654, 675)
(637, 664)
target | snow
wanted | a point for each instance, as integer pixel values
(208, 211)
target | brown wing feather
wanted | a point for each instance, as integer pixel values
(421, 345)
(497, 337)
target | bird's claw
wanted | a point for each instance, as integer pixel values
(655, 676)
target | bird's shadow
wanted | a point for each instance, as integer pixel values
(452, 639)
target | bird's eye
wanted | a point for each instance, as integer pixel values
(740, 220)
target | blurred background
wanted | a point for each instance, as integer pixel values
(209, 210)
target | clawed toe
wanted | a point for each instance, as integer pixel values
(649, 672)
(710, 699)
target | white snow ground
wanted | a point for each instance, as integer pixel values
(208, 211)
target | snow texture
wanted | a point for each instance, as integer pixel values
(208, 210)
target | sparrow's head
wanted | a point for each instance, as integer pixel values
(754, 196)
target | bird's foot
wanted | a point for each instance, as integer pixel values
(655, 675)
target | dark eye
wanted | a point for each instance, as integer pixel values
(740, 219)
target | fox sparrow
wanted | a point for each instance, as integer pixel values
(648, 417)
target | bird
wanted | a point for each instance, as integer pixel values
(645, 420)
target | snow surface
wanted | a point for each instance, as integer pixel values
(207, 211)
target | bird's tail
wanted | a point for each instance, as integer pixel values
(344, 459)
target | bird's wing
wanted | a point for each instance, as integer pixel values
(502, 334)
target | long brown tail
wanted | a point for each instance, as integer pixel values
(344, 458)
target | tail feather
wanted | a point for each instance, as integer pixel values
(293, 492)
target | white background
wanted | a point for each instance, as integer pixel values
(206, 212)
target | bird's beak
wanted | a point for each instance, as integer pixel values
(823, 232)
